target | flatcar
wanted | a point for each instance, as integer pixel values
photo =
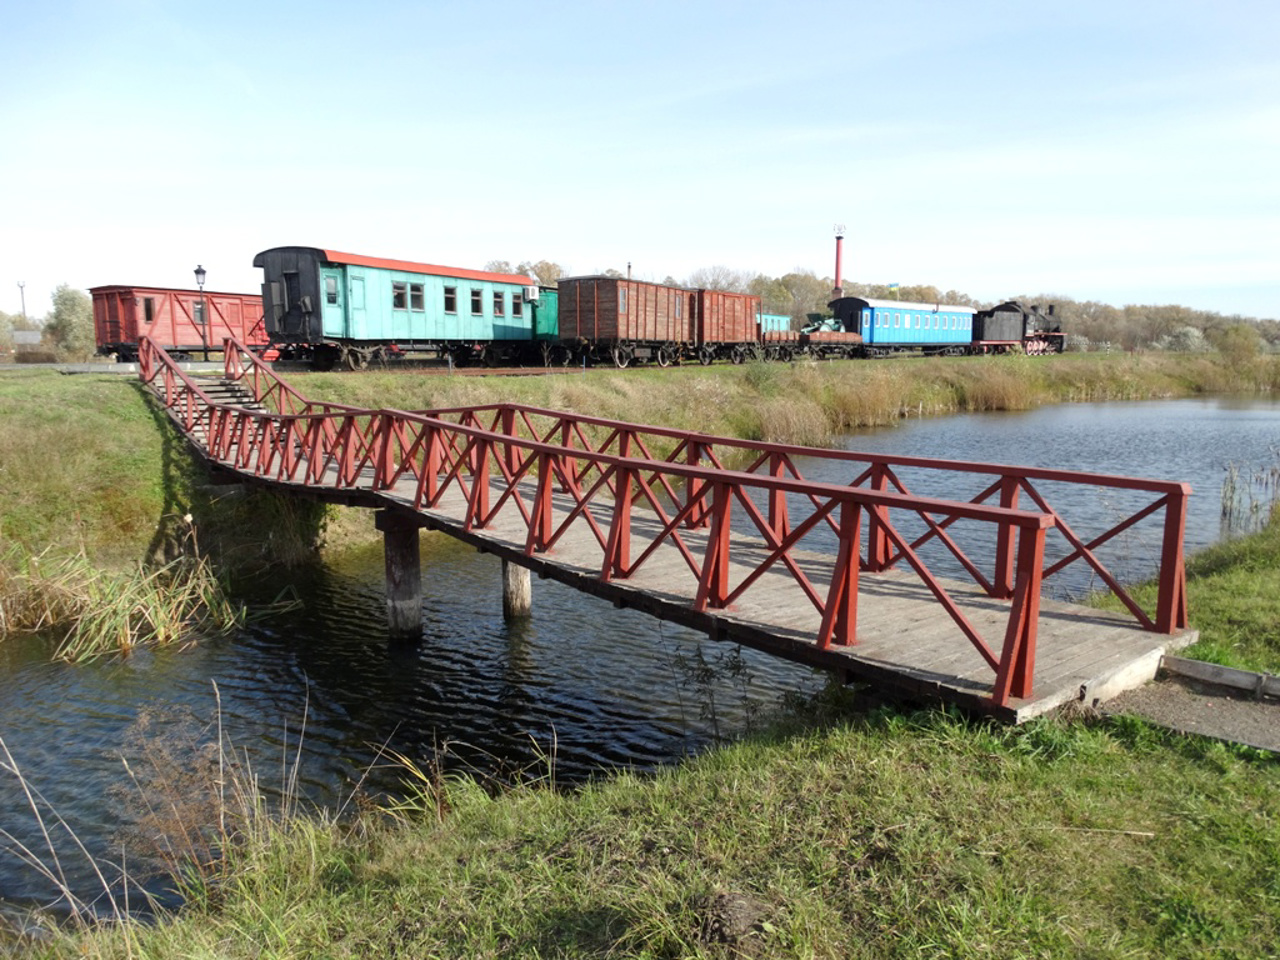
(333, 307)
(184, 322)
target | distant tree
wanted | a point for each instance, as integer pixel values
(615, 274)
(6, 331)
(1239, 343)
(718, 277)
(70, 325)
(500, 266)
(1183, 340)
(808, 292)
(546, 272)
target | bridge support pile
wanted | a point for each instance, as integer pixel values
(404, 575)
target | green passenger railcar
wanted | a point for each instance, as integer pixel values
(341, 307)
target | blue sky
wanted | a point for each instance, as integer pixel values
(1124, 151)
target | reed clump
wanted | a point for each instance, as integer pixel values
(91, 611)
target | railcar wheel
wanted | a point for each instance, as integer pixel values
(489, 356)
(706, 355)
(784, 355)
(666, 356)
(622, 356)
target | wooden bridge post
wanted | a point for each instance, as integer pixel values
(404, 574)
(517, 591)
(1006, 540)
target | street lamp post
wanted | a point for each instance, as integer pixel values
(204, 316)
(22, 291)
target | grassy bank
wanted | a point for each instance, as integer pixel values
(837, 835)
(1233, 594)
(813, 403)
(100, 506)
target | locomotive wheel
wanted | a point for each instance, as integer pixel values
(622, 356)
(705, 356)
(354, 359)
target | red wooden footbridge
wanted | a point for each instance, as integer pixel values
(930, 596)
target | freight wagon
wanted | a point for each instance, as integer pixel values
(184, 322)
(612, 319)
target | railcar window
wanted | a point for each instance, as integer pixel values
(517, 305)
(622, 299)
(417, 297)
(450, 299)
(498, 304)
(477, 303)
(292, 288)
(331, 290)
(197, 313)
(896, 317)
(149, 309)
(399, 296)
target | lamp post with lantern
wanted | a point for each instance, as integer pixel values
(204, 316)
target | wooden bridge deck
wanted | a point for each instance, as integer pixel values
(907, 643)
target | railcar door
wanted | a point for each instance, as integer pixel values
(356, 321)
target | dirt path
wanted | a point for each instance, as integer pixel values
(1191, 706)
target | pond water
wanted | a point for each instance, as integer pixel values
(580, 686)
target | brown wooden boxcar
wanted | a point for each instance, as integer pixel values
(612, 318)
(728, 324)
(619, 320)
(171, 317)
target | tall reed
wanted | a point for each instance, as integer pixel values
(91, 611)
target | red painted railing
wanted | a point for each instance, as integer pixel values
(561, 471)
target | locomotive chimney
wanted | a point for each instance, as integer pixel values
(838, 291)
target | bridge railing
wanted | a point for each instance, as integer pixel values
(630, 505)
(1163, 503)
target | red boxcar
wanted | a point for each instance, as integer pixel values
(171, 317)
(611, 318)
(727, 318)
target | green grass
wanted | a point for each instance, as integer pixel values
(838, 835)
(1233, 596)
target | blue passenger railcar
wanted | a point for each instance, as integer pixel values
(891, 326)
(339, 306)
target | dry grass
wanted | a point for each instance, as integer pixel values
(92, 612)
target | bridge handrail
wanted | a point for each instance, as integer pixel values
(378, 447)
(371, 450)
(881, 472)
(1010, 483)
